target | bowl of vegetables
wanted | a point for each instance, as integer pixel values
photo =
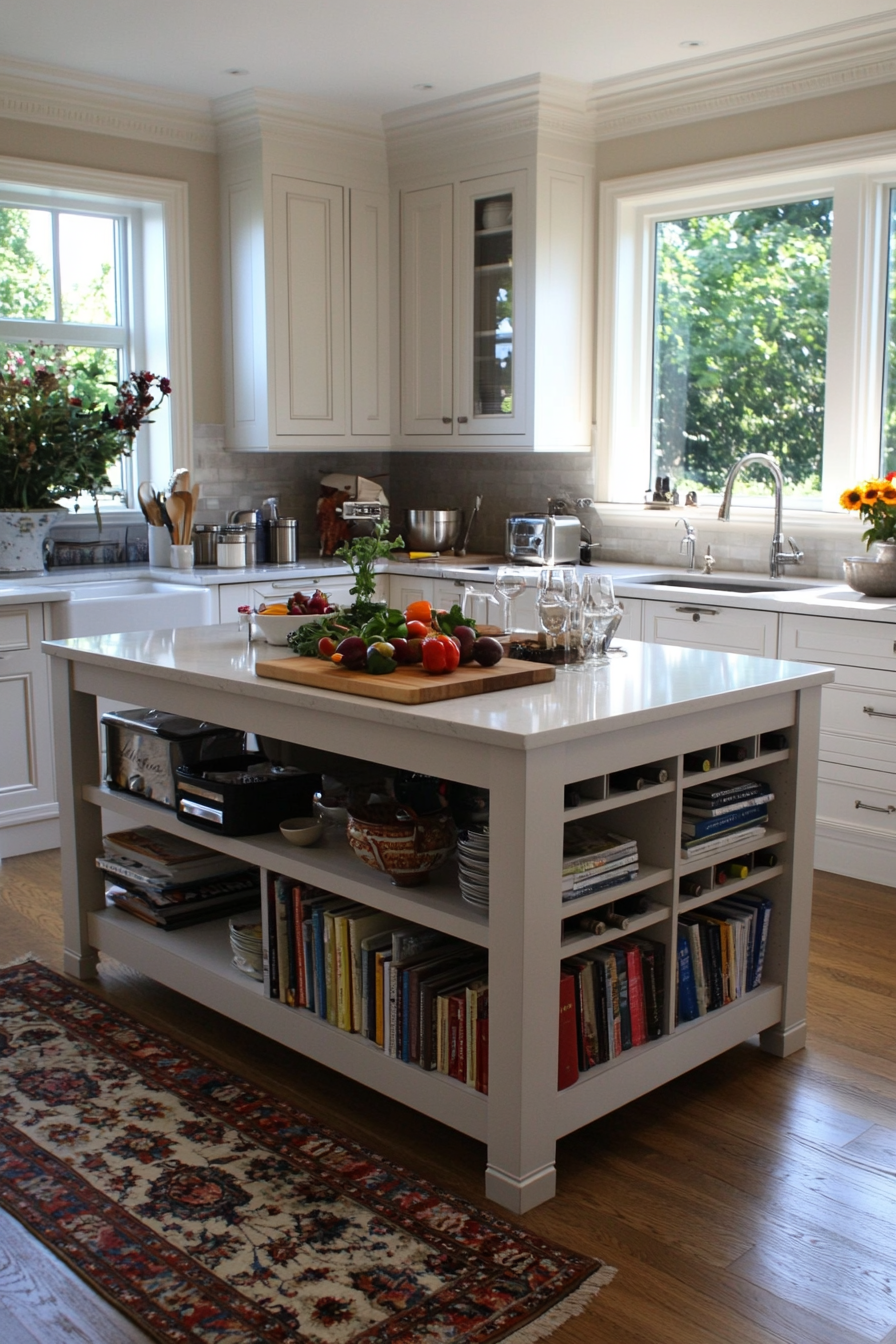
(277, 620)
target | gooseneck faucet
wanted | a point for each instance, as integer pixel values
(688, 543)
(777, 556)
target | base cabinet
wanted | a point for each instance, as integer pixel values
(703, 625)
(527, 929)
(856, 827)
(28, 808)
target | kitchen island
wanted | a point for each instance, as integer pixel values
(525, 746)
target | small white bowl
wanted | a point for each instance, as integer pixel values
(277, 629)
(301, 830)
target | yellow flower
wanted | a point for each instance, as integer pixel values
(888, 493)
(871, 492)
(851, 499)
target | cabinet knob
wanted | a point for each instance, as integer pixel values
(446, 419)
(461, 419)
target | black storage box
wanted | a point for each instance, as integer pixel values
(249, 805)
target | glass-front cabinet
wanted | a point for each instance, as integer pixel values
(463, 310)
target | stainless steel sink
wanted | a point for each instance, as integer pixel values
(705, 583)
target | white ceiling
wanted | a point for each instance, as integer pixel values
(371, 53)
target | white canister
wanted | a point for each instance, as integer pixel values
(232, 547)
(159, 547)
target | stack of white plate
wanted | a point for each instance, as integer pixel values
(472, 865)
(245, 942)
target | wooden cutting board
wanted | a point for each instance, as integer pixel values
(406, 685)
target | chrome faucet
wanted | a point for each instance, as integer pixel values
(688, 544)
(777, 556)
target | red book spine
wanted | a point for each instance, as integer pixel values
(636, 1002)
(457, 1037)
(568, 1055)
(482, 1043)
(301, 980)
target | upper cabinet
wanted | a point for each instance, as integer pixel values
(493, 335)
(306, 295)
(463, 319)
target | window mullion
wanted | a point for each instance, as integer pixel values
(57, 267)
(856, 319)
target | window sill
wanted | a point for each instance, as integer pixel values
(745, 518)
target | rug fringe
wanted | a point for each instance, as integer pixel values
(563, 1311)
(18, 961)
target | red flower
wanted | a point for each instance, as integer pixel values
(890, 476)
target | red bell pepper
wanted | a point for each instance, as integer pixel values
(440, 654)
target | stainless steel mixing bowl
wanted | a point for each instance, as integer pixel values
(874, 578)
(432, 529)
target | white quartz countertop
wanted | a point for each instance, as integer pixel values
(644, 687)
(816, 597)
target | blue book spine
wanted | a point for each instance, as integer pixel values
(320, 979)
(687, 990)
(308, 944)
(729, 822)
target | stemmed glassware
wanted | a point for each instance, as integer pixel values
(601, 616)
(552, 604)
(509, 584)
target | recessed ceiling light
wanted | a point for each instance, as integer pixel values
(690, 42)
(421, 88)
(236, 71)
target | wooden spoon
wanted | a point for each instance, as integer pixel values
(187, 523)
(176, 510)
(145, 496)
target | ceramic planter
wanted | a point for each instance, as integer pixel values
(23, 538)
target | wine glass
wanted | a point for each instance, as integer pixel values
(551, 604)
(509, 584)
(601, 616)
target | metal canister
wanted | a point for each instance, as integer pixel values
(205, 543)
(284, 536)
(232, 546)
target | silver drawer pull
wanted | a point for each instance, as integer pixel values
(869, 808)
(877, 713)
(699, 611)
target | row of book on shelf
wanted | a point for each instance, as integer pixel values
(418, 994)
(721, 952)
(715, 814)
(611, 1000)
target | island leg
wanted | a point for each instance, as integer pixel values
(80, 823)
(787, 961)
(526, 845)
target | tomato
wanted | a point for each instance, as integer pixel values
(417, 630)
(419, 611)
(440, 654)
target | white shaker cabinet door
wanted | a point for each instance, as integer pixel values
(369, 291)
(309, 307)
(427, 317)
(27, 779)
(699, 625)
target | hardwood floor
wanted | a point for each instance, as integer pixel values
(752, 1201)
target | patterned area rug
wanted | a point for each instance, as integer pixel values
(211, 1211)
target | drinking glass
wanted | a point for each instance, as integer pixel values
(509, 584)
(601, 616)
(552, 605)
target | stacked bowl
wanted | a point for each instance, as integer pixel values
(245, 943)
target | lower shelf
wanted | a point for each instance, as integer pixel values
(197, 962)
(636, 1072)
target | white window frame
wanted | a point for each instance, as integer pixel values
(158, 262)
(859, 174)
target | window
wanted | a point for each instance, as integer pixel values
(96, 262)
(748, 306)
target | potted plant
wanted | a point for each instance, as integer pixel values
(875, 502)
(53, 446)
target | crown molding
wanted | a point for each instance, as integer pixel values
(264, 115)
(53, 96)
(535, 105)
(834, 59)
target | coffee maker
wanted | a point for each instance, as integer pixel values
(348, 507)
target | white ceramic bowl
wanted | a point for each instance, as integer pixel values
(301, 830)
(276, 629)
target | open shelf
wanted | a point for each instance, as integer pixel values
(330, 864)
(196, 961)
(617, 798)
(648, 876)
(719, 893)
(578, 941)
(733, 851)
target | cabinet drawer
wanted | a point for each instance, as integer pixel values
(16, 631)
(833, 639)
(858, 718)
(856, 797)
(699, 625)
